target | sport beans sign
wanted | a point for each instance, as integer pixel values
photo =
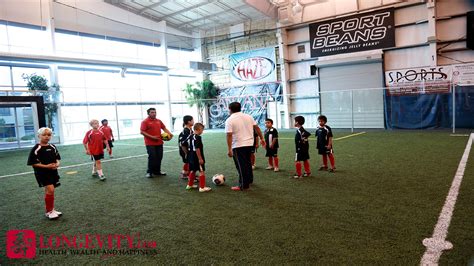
(361, 32)
(253, 67)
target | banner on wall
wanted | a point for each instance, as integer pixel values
(463, 74)
(256, 66)
(253, 98)
(361, 32)
(421, 80)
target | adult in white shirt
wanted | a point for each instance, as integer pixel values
(239, 128)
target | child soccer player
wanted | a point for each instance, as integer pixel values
(196, 159)
(271, 138)
(302, 148)
(324, 144)
(188, 123)
(108, 135)
(94, 142)
(254, 149)
(44, 158)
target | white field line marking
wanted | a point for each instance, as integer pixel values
(459, 135)
(135, 145)
(89, 163)
(345, 137)
(437, 243)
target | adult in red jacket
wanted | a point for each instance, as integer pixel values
(151, 129)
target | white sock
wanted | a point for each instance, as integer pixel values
(93, 169)
(100, 172)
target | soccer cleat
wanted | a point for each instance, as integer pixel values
(57, 212)
(188, 187)
(184, 176)
(205, 189)
(102, 178)
(95, 174)
(148, 175)
(111, 156)
(161, 173)
(323, 168)
(306, 174)
(276, 169)
(236, 188)
(269, 167)
(332, 170)
(253, 167)
(296, 176)
(52, 215)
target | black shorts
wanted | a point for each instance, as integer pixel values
(183, 155)
(47, 179)
(194, 163)
(97, 157)
(271, 152)
(253, 149)
(110, 144)
(324, 151)
(302, 156)
(194, 166)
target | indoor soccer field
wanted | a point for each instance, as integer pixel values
(382, 202)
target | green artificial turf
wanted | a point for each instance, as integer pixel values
(377, 208)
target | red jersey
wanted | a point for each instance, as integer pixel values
(95, 141)
(107, 132)
(152, 127)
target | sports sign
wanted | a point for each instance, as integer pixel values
(422, 80)
(361, 32)
(257, 66)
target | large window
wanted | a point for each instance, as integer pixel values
(76, 44)
(5, 78)
(106, 93)
(22, 38)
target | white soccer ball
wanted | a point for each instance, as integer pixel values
(218, 179)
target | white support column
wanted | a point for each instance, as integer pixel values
(284, 68)
(202, 49)
(48, 9)
(166, 76)
(51, 25)
(432, 38)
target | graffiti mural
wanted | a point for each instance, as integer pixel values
(253, 98)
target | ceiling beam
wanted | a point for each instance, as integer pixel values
(209, 16)
(234, 10)
(187, 9)
(148, 15)
(143, 10)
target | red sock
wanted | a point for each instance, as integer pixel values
(202, 180)
(275, 159)
(325, 160)
(331, 159)
(307, 168)
(186, 167)
(298, 168)
(252, 158)
(110, 152)
(49, 202)
(270, 161)
(191, 178)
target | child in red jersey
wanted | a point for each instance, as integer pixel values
(108, 135)
(94, 142)
(44, 157)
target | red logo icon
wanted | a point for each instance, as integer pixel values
(21, 244)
